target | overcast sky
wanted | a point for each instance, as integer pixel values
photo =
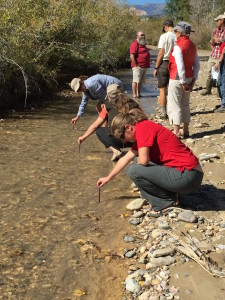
(145, 1)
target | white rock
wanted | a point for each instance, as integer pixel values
(187, 216)
(160, 261)
(136, 204)
(157, 232)
(133, 286)
(144, 296)
(163, 252)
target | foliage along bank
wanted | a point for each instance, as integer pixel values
(45, 41)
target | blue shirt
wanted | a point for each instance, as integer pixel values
(96, 89)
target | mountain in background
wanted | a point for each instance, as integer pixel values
(149, 9)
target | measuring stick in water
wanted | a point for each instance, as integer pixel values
(99, 194)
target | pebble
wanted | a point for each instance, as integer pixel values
(128, 239)
(190, 141)
(208, 156)
(187, 216)
(135, 204)
(220, 246)
(130, 253)
(144, 296)
(157, 233)
(222, 225)
(134, 221)
(163, 252)
(160, 261)
(133, 286)
(138, 214)
(164, 225)
(138, 275)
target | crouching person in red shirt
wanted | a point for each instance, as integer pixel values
(164, 167)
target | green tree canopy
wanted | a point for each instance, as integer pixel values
(178, 10)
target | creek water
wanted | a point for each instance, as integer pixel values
(56, 239)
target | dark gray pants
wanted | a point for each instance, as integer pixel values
(159, 184)
(109, 140)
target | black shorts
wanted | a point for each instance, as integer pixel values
(163, 74)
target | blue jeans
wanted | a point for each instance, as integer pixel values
(221, 83)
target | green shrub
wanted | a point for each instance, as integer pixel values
(43, 39)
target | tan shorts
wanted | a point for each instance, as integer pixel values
(139, 74)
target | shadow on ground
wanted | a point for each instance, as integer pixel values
(208, 197)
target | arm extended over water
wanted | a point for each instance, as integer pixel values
(121, 164)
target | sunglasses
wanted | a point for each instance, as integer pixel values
(142, 34)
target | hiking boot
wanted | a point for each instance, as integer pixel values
(207, 90)
(220, 109)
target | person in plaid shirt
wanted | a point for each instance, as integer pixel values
(218, 36)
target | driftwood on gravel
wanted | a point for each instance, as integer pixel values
(190, 249)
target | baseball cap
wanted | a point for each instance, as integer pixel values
(75, 84)
(220, 17)
(113, 90)
(183, 27)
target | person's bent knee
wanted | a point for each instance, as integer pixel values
(133, 171)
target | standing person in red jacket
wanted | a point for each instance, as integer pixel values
(140, 61)
(183, 67)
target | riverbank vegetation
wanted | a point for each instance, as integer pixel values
(45, 41)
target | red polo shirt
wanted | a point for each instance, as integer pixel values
(164, 146)
(141, 54)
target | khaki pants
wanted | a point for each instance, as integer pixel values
(211, 62)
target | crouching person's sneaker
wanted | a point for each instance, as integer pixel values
(116, 155)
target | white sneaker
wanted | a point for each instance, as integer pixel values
(116, 155)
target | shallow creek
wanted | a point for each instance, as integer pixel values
(56, 239)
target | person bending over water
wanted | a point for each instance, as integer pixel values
(93, 88)
(117, 103)
(164, 168)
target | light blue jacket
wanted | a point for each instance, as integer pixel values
(96, 89)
